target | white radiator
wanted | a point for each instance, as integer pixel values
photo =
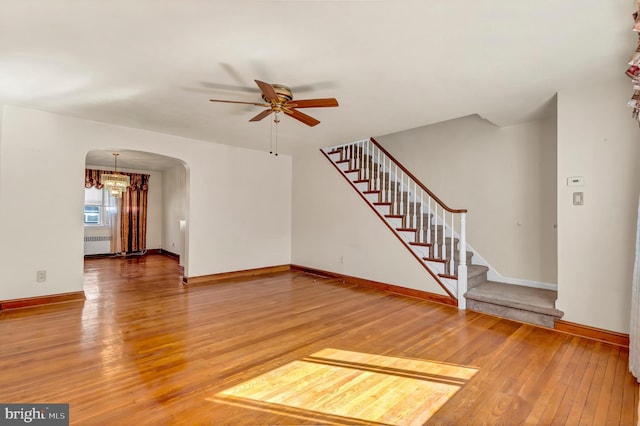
(97, 244)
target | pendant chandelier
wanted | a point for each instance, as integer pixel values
(114, 182)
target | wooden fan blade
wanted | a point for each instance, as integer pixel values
(268, 91)
(240, 102)
(312, 103)
(304, 118)
(262, 115)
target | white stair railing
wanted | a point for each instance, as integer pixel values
(429, 227)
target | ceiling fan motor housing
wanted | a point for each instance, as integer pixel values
(283, 92)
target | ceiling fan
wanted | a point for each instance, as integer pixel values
(278, 98)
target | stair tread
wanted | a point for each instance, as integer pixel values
(474, 270)
(516, 296)
(421, 244)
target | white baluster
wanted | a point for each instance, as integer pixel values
(436, 248)
(443, 247)
(407, 211)
(462, 264)
(389, 185)
(421, 240)
(352, 164)
(374, 173)
(346, 154)
(463, 241)
(378, 169)
(372, 169)
(414, 222)
(385, 181)
(400, 200)
(365, 156)
(451, 264)
(395, 191)
(356, 157)
(363, 169)
(444, 235)
(361, 154)
(429, 215)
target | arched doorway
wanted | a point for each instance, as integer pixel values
(167, 206)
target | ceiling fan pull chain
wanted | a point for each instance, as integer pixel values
(277, 120)
(271, 140)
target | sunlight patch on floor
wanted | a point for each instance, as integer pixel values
(337, 386)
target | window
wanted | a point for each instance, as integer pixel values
(92, 215)
(98, 205)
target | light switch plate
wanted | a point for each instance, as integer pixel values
(578, 198)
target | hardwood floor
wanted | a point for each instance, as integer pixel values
(293, 348)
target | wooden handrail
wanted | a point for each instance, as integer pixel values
(409, 174)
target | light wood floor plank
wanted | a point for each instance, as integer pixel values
(292, 348)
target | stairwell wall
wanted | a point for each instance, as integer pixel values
(504, 176)
(335, 230)
(598, 140)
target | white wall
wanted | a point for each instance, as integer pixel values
(240, 200)
(175, 208)
(504, 177)
(548, 207)
(155, 207)
(330, 222)
(597, 139)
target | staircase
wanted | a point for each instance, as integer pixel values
(435, 234)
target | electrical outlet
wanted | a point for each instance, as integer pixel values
(41, 276)
(341, 259)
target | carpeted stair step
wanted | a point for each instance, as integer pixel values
(520, 303)
(476, 274)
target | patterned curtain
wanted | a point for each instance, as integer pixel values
(92, 178)
(132, 207)
(633, 69)
(634, 335)
(133, 215)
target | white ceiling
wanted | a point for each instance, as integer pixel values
(392, 64)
